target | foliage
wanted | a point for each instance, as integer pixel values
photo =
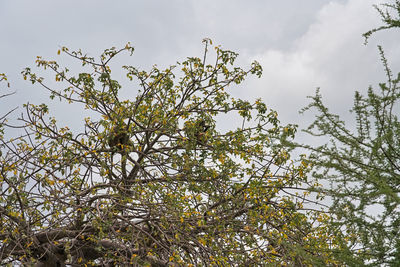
(3, 118)
(154, 181)
(363, 166)
(387, 18)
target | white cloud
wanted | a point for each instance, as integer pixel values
(330, 55)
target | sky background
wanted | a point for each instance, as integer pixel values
(301, 45)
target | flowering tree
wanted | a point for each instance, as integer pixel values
(154, 180)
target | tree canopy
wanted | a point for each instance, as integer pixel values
(156, 179)
(363, 165)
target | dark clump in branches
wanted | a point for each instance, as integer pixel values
(119, 138)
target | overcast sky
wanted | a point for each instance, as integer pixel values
(301, 45)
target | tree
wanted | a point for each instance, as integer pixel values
(153, 180)
(363, 166)
(3, 118)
